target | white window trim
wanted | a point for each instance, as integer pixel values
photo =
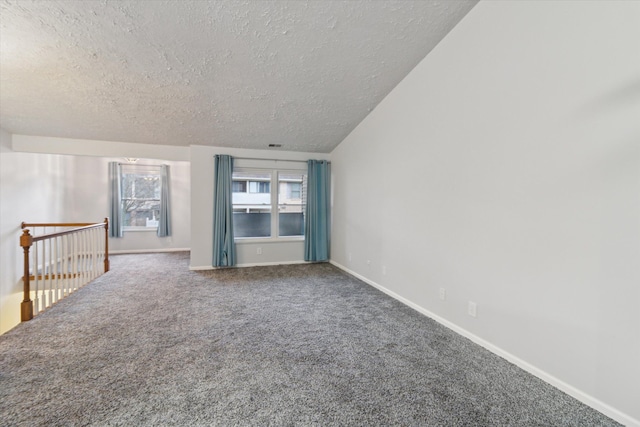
(275, 218)
(140, 229)
(140, 169)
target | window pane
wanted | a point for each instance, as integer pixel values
(291, 203)
(140, 213)
(252, 209)
(259, 187)
(239, 186)
(252, 223)
(141, 186)
(141, 199)
(291, 223)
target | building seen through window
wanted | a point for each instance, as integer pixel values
(254, 203)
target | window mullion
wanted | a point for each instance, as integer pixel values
(275, 218)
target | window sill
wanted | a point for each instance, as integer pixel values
(248, 240)
(140, 229)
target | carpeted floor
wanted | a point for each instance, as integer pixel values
(152, 343)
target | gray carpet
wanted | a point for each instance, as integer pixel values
(152, 343)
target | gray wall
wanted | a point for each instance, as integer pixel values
(505, 169)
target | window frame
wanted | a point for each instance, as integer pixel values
(274, 206)
(132, 169)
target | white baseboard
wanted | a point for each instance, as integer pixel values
(201, 267)
(585, 398)
(260, 264)
(147, 251)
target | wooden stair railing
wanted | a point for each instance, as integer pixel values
(63, 261)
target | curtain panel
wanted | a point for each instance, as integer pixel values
(224, 248)
(115, 200)
(164, 226)
(317, 218)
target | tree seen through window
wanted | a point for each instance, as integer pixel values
(141, 199)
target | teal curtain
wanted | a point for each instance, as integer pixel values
(318, 209)
(224, 248)
(115, 200)
(164, 226)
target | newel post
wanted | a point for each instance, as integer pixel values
(26, 308)
(106, 245)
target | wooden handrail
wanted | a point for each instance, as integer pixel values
(27, 240)
(56, 224)
(65, 232)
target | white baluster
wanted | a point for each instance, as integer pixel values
(68, 265)
(42, 296)
(87, 256)
(80, 269)
(36, 301)
(100, 260)
(74, 261)
(64, 264)
(83, 258)
(49, 268)
(95, 236)
(101, 251)
(90, 255)
(43, 266)
(85, 268)
(56, 258)
(98, 252)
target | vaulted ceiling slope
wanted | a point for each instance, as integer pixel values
(223, 73)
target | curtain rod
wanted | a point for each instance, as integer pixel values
(273, 160)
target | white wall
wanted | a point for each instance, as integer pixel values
(90, 147)
(505, 168)
(33, 188)
(90, 201)
(202, 207)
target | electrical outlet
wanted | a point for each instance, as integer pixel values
(443, 294)
(368, 262)
(472, 309)
(259, 251)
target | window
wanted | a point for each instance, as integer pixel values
(295, 190)
(259, 187)
(254, 203)
(141, 186)
(239, 187)
(291, 204)
(251, 208)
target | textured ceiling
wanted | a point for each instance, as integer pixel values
(225, 73)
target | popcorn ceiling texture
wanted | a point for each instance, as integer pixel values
(234, 74)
